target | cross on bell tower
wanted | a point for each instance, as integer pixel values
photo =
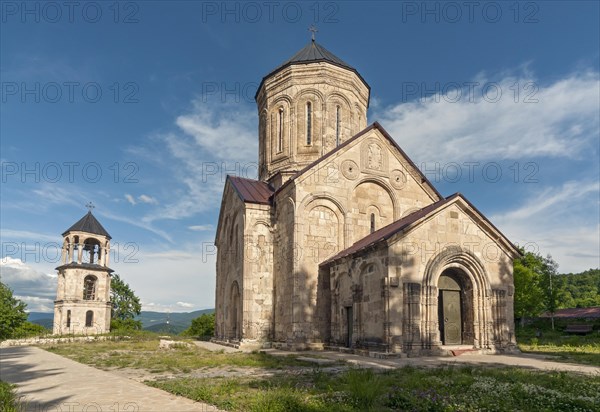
(313, 29)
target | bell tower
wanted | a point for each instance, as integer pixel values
(307, 107)
(82, 304)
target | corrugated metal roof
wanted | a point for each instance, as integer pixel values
(252, 191)
(593, 312)
(387, 231)
(88, 224)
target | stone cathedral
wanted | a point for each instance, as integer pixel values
(342, 241)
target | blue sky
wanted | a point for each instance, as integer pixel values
(143, 107)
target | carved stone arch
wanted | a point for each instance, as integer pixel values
(257, 250)
(284, 103)
(304, 124)
(308, 204)
(310, 90)
(477, 286)
(385, 186)
(335, 96)
(321, 195)
(361, 118)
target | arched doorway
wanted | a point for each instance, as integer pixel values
(234, 314)
(455, 308)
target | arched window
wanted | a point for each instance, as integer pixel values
(89, 287)
(308, 123)
(372, 222)
(68, 319)
(338, 121)
(280, 130)
(89, 318)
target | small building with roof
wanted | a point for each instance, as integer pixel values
(82, 304)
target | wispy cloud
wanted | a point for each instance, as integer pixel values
(212, 141)
(201, 228)
(560, 220)
(559, 119)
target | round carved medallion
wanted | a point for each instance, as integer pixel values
(350, 169)
(397, 179)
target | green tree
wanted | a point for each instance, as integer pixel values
(12, 312)
(125, 305)
(529, 297)
(203, 325)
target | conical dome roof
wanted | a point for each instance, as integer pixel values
(88, 224)
(312, 53)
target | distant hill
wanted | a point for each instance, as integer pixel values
(42, 318)
(161, 322)
(177, 321)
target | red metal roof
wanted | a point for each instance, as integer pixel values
(387, 231)
(593, 312)
(252, 191)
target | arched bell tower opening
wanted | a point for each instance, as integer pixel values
(82, 304)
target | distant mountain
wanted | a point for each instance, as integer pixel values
(166, 328)
(176, 320)
(42, 318)
(161, 322)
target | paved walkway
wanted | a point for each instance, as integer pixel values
(530, 361)
(50, 382)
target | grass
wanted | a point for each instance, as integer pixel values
(145, 354)
(406, 389)
(9, 400)
(584, 349)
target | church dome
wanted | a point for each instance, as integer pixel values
(313, 52)
(307, 106)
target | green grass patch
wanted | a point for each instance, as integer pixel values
(406, 389)
(584, 349)
(9, 400)
(145, 354)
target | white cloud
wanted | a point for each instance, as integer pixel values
(147, 199)
(213, 141)
(445, 127)
(185, 305)
(35, 288)
(561, 221)
(229, 133)
(201, 228)
(130, 199)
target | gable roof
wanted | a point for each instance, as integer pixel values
(385, 134)
(312, 53)
(591, 312)
(88, 224)
(390, 230)
(251, 191)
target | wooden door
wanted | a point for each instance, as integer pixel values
(452, 320)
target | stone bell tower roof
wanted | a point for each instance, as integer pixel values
(88, 224)
(313, 52)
